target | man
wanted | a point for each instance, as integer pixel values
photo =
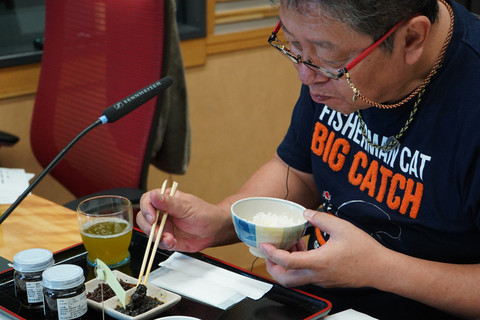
(384, 135)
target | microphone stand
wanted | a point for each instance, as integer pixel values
(52, 164)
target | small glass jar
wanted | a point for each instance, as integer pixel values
(29, 265)
(64, 292)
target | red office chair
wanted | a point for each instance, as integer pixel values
(97, 52)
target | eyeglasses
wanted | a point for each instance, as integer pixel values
(275, 42)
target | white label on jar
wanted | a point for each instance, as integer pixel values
(72, 308)
(34, 291)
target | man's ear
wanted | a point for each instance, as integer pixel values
(415, 38)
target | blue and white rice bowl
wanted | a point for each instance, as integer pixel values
(283, 222)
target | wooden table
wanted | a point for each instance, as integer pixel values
(38, 223)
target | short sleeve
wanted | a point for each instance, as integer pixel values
(295, 147)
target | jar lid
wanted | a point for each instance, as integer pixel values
(63, 276)
(33, 260)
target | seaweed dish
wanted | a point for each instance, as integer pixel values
(96, 294)
(139, 303)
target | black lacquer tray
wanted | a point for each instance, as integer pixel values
(279, 303)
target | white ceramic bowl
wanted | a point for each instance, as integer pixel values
(282, 237)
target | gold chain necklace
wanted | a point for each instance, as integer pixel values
(393, 141)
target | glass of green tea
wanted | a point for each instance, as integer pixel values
(106, 229)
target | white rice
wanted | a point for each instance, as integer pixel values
(274, 220)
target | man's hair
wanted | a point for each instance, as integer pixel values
(370, 17)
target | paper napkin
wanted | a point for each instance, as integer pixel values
(204, 282)
(13, 182)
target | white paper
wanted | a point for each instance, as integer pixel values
(349, 314)
(13, 182)
(205, 282)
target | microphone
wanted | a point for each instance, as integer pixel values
(109, 115)
(135, 100)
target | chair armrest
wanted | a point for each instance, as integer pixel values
(7, 139)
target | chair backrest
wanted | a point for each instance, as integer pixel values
(97, 52)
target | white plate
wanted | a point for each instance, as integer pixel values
(177, 318)
(168, 298)
(93, 284)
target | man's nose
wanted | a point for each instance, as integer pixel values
(309, 76)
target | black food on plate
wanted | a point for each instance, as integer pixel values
(96, 295)
(139, 303)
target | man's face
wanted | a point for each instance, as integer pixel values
(331, 45)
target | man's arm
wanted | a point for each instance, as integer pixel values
(194, 224)
(352, 258)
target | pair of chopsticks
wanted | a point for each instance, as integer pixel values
(157, 239)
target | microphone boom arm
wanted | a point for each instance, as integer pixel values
(51, 165)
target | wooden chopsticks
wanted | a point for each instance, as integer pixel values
(157, 239)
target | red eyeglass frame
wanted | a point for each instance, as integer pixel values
(298, 59)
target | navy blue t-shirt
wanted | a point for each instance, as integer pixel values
(423, 198)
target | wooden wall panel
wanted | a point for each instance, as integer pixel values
(240, 107)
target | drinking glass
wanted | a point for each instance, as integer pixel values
(106, 228)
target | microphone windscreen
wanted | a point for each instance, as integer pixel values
(135, 100)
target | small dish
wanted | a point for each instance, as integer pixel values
(178, 318)
(93, 284)
(168, 298)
